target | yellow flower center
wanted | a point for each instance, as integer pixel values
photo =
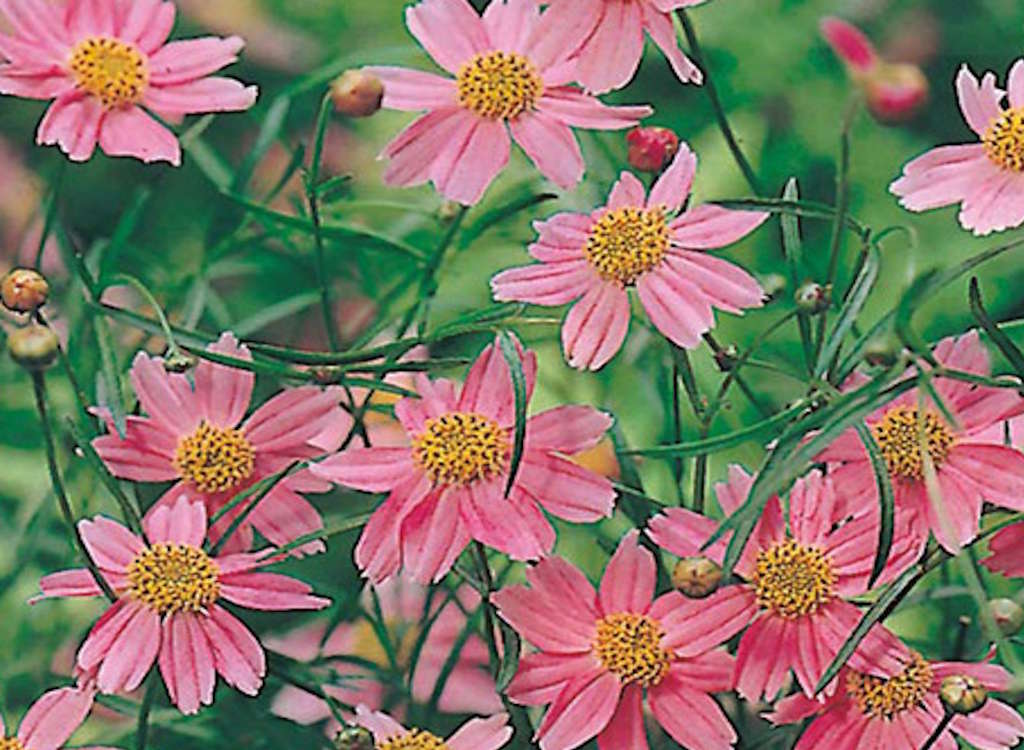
(626, 243)
(113, 71)
(793, 580)
(900, 438)
(173, 578)
(214, 459)
(11, 743)
(461, 448)
(1004, 140)
(881, 697)
(629, 646)
(415, 739)
(499, 85)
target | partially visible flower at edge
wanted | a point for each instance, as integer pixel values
(476, 734)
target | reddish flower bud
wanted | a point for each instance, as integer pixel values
(850, 44)
(357, 93)
(24, 290)
(651, 148)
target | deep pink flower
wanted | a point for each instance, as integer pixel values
(634, 241)
(448, 486)
(476, 734)
(1006, 551)
(104, 63)
(987, 178)
(168, 608)
(798, 579)
(971, 463)
(900, 713)
(51, 721)
(600, 652)
(194, 434)
(505, 82)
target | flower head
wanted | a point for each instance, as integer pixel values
(105, 63)
(168, 608)
(50, 721)
(636, 240)
(476, 734)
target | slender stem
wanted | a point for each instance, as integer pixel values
(937, 734)
(677, 424)
(428, 284)
(313, 199)
(142, 727)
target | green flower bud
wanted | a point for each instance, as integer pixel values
(34, 347)
(696, 577)
(962, 694)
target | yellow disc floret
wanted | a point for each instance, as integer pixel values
(626, 243)
(899, 437)
(629, 646)
(793, 580)
(11, 743)
(214, 459)
(1004, 140)
(499, 85)
(884, 698)
(415, 739)
(113, 71)
(172, 578)
(461, 448)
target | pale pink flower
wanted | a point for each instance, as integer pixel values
(972, 465)
(168, 608)
(900, 713)
(505, 82)
(105, 63)
(986, 178)
(403, 605)
(798, 577)
(637, 240)
(476, 734)
(51, 720)
(601, 652)
(447, 486)
(196, 434)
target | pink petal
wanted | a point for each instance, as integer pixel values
(510, 24)
(565, 489)
(38, 23)
(942, 176)
(563, 29)
(269, 592)
(189, 59)
(663, 32)
(481, 734)
(728, 286)
(980, 104)
(513, 525)
(284, 516)
(1007, 551)
(465, 166)
(436, 398)
(187, 663)
(1015, 85)
(542, 676)
(111, 545)
(583, 717)
(224, 392)
(627, 192)
(626, 729)
(72, 122)
(707, 227)
(378, 552)
(131, 653)
(167, 398)
(551, 146)
(53, 718)
(580, 110)
(684, 533)
(414, 90)
(237, 654)
(546, 284)
(383, 726)
(564, 585)
(287, 422)
(90, 17)
(763, 658)
(692, 719)
(148, 23)
(696, 626)
(433, 537)
(367, 469)
(673, 186)
(213, 94)
(675, 305)
(849, 43)
(629, 579)
(567, 429)
(994, 725)
(996, 469)
(541, 621)
(144, 455)
(711, 672)
(596, 326)
(414, 150)
(78, 582)
(995, 204)
(449, 30)
(184, 523)
(488, 387)
(610, 57)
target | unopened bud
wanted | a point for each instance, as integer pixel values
(33, 347)
(883, 350)
(895, 92)
(1008, 615)
(24, 290)
(178, 362)
(448, 211)
(354, 738)
(357, 93)
(696, 577)
(327, 375)
(773, 284)
(962, 694)
(814, 298)
(651, 148)
(726, 358)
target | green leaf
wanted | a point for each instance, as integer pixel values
(513, 647)
(852, 308)
(515, 366)
(885, 501)
(804, 209)
(1006, 346)
(497, 215)
(108, 380)
(792, 248)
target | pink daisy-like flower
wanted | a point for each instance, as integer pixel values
(194, 434)
(634, 241)
(469, 688)
(505, 83)
(609, 38)
(51, 721)
(168, 608)
(447, 486)
(601, 652)
(798, 579)
(104, 63)
(972, 465)
(476, 734)
(987, 178)
(901, 712)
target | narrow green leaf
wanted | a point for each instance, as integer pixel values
(792, 248)
(804, 209)
(885, 501)
(1006, 346)
(510, 657)
(515, 366)
(108, 380)
(852, 308)
(497, 215)
(128, 509)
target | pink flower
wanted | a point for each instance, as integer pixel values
(475, 734)
(609, 37)
(51, 721)
(469, 688)
(506, 81)
(972, 464)
(900, 713)
(987, 178)
(601, 652)
(195, 435)
(104, 63)
(168, 610)
(1006, 551)
(448, 485)
(799, 577)
(634, 241)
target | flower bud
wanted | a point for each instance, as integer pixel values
(773, 284)
(962, 694)
(357, 93)
(1008, 615)
(448, 210)
(651, 148)
(24, 290)
(696, 577)
(33, 347)
(354, 738)
(813, 298)
(726, 358)
(178, 362)
(883, 350)
(327, 375)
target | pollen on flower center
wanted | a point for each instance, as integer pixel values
(113, 71)
(172, 578)
(898, 435)
(214, 459)
(11, 743)
(881, 697)
(461, 448)
(1004, 140)
(793, 580)
(629, 646)
(415, 739)
(626, 243)
(499, 85)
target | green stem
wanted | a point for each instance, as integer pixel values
(313, 199)
(934, 736)
(428, 284)
(142, 727)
